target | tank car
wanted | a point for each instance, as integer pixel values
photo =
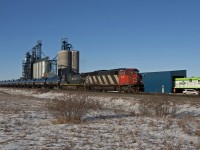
(29, 83)
(3, 83)
(15, 83)
(53, 82)
(9, 83)
(22, 83)
(40, 83)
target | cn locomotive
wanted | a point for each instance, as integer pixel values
(122, 79)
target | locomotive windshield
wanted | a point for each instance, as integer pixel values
(136, 71)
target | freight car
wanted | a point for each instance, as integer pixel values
(123, 79)
(32, 83)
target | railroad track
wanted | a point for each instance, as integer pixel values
(110, 93)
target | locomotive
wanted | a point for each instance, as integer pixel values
(121, 79)
(186, 83)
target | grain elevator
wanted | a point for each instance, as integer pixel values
(68, 59)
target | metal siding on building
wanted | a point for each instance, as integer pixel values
(155, 81)
(180, 73)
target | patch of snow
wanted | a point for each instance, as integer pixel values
(31, 125)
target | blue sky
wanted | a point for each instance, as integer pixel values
(151, 35)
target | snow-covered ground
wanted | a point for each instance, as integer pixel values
(26, 123)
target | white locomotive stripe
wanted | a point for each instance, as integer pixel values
(95, 80)
(99, 79)
(110, 79)
(90, 80)
(86, 80)
(107, 79)
(104, 78)
(116, 78)
(103, 82)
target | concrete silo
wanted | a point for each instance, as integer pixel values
(68, 60)
(75, 61)
(64, 62)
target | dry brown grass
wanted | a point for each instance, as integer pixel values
(189, 125)
(41, 90)
(72, 109)
(158, 107)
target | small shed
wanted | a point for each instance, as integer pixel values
(161, 82)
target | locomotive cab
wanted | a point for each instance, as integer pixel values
(130, 79)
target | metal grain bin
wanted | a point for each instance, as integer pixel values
(34, 70)
(75, 61)
(40, 69)
(64, 62)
